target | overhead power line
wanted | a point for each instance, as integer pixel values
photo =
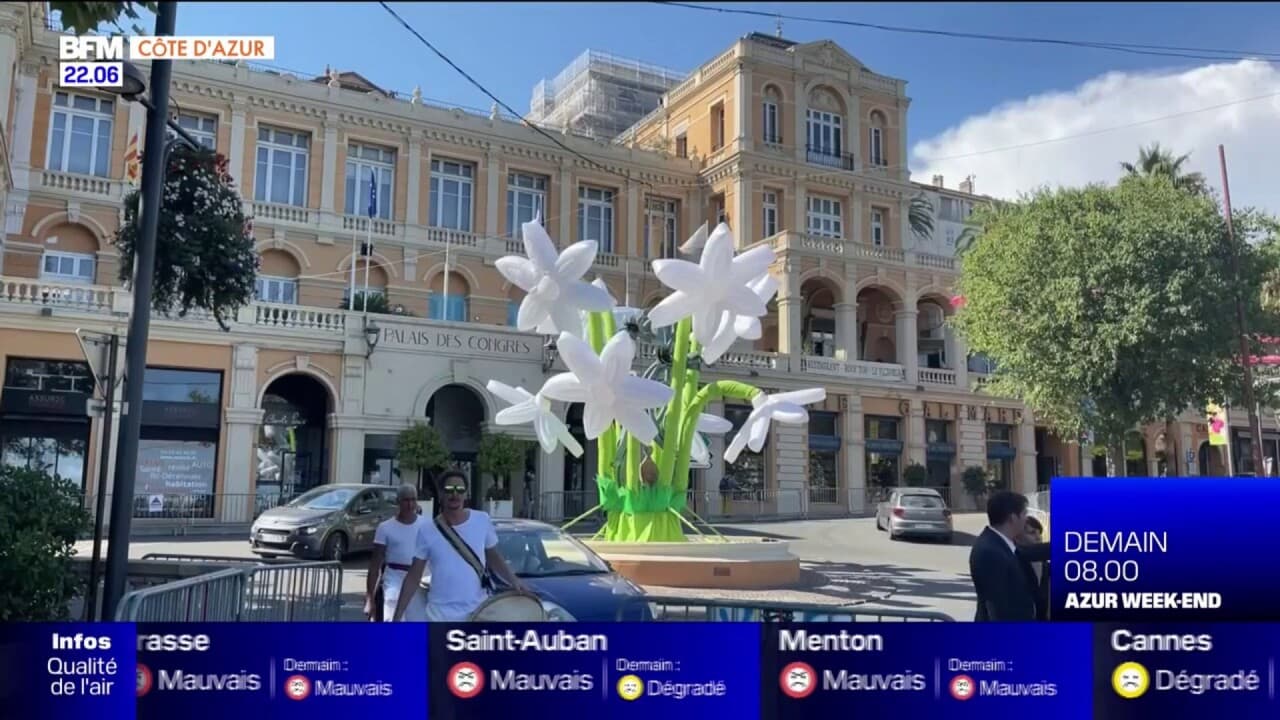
(504, 105)
(1194, 53)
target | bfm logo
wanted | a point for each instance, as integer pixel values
(90, 47)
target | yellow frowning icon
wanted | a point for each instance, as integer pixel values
(630, 687)
(1130, 680)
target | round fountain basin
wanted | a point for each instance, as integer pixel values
(735, 563)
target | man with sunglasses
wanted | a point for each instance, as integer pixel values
(459, 572)
(394, 543)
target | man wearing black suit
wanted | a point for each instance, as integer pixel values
(999, 578)
(1033, 553)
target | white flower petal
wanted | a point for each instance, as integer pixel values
(698, 451)
(638, 392)
(512, 395)
(747, 328)
(717, 256)
(533, 310)
(713, 424)
(566, 388)
(546, 432)
(722, 341)
(706, 320)
(751, 264)
(808, 396)
(596, 418)
(696, 241)
(580, 359)
(672, 309)
(757, 436)
(568, 440)
(538, 246)
(637, 422)
(576, 260)
(617, 356)
(517, 414)
(565, 318)
(518, 271)
(790, 415)
(736, 445)
(742, 301)
(591, 298)
(680, 275)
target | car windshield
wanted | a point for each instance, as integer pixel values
(920, 501)
(324, 499)
(547, 552)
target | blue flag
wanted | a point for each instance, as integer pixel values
(373, 194)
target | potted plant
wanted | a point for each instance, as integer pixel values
(915, 475)
(976, 481)
(500, 455)
(420, 448)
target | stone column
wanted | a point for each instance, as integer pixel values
(847, 331)
(915, 433)
(742, 219)
(8, 54)
(958, 358)
(330, 175)
(23, 122)
(413, 208)
(346, 437)
(971, 447)
(240, 457)
(1026, 463)
(854, 458)
(492, 195)
(632, 238)
(801, 222)
(906, 238)
(791, 467)
(568, 205)
(745, 110)
(789, 320)
(235, 153)
(800, 124)
(903, 171)
(854, 231)
(908, 356)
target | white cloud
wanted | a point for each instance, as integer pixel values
(1107, 111)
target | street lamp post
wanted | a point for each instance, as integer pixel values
(153, 167)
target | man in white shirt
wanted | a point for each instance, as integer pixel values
(394, 543)
(456, 587)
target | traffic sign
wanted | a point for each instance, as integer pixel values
(97, 350)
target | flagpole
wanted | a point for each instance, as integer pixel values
(367, 260)
(444, 304)
(1226, 421)
(351, 294)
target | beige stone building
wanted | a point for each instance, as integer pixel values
(796, 145)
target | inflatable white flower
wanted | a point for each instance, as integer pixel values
(746, 327)
(711, 425)
(606, 387)
(555, 293)
(716, 284)
(529, 408)
(786, 408)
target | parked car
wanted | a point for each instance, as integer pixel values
(915, 512)
(574, 583)
(327, 522)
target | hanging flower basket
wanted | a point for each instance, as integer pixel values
(205, 255)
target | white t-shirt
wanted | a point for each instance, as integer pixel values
(399, 539)
(455, 587)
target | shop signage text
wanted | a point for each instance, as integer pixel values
(462, 342)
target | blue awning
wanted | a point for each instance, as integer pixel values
(884, 447)
(824, 442)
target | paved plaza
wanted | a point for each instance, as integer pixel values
(843, 561)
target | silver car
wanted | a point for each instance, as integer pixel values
(915, 512)
(326, 522)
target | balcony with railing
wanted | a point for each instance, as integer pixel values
(821, 155)
(820, 245)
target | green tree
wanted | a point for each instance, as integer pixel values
(1158, 161)
(500, 455)
(920, 216)
(1115, 294)
(377, 304)
(205, 256)
(420, 448)
(41, 517)
(85, 17)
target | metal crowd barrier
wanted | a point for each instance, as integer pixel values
(678, 609)
(261, 592)
(215, 597)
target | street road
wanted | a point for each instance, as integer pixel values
(843, 561)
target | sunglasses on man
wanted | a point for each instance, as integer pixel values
(455, 489)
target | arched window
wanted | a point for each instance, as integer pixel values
(875, 148)
(772, 129)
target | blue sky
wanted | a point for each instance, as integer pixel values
(978, 108)
(510, 46)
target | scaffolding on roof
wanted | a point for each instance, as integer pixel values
(600, 95)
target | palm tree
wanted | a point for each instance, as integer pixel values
(1155, 160)
(920, 216)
